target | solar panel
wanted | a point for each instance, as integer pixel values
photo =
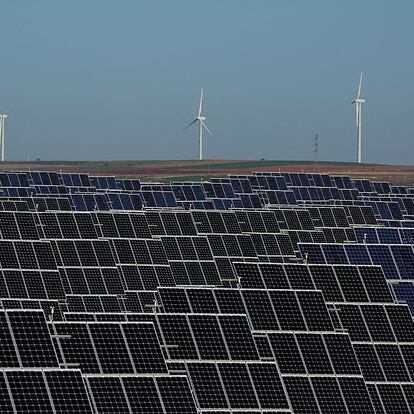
(67, 391)
(275, 294)
(29, 391)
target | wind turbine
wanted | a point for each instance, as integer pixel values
(2, 120)
(358, 107)
(201, 124)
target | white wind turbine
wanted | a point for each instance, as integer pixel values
(201, 124)
(2, 120)
(358, 107)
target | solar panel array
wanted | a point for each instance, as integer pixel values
(260, 293)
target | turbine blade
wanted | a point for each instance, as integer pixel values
(359, 86)
(201, 103)
(205, 126)
(191, 123)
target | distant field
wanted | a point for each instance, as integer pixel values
(155, 170)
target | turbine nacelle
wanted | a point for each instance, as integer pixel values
(201, 118)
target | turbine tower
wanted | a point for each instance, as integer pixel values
(358, 107)
(201, 124)
(2, 120)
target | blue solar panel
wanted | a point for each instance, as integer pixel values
(245, 199)
(159, 199)
(4, 180)
(304, 193)
(228, 190)
(255, 200)
(400, 203)
(272, 183)
(262, 182)
(112, 183)
(388, 236)
(80, 180)
(297, 194)
(318, 180)
(338, 181)
(404, 291)
(312, 253)
(334, 254)
(227, 203)
(291, 197)
(198, 192)
(178, 192)
(346, 194)
(357, 254)
(115, 201)
(101, 202)
(236, 184)
(67, 180)
(218, 203)
(384, 211)
(294, 178)
(336, 194)
(281, 183)
(126, 202)
(237, 203)
(170, 199)
(303, 178)
(407, 235)
(78, 202)
(35, 176)
(366, 235)
(326, 193)
(314, 194)
(271, 197)
(14, 180)
(188, 192)
(148, 197)
(381, 255)
(404, 258)
(281, 197)
(347, 182)
(326, 180)
(89, 202)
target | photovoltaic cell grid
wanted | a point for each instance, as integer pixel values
(267, 292)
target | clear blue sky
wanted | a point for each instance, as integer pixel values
(99, 79)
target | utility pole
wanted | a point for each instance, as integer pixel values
(316, 154)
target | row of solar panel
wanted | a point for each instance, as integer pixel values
(388, 235)
(257, 181)
(48, 178)
(168, 195)
(340, 182)
(338, 283)
(74, 225)
(397, 261)
(66, 391)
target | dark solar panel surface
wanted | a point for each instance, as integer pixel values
(258, 293)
